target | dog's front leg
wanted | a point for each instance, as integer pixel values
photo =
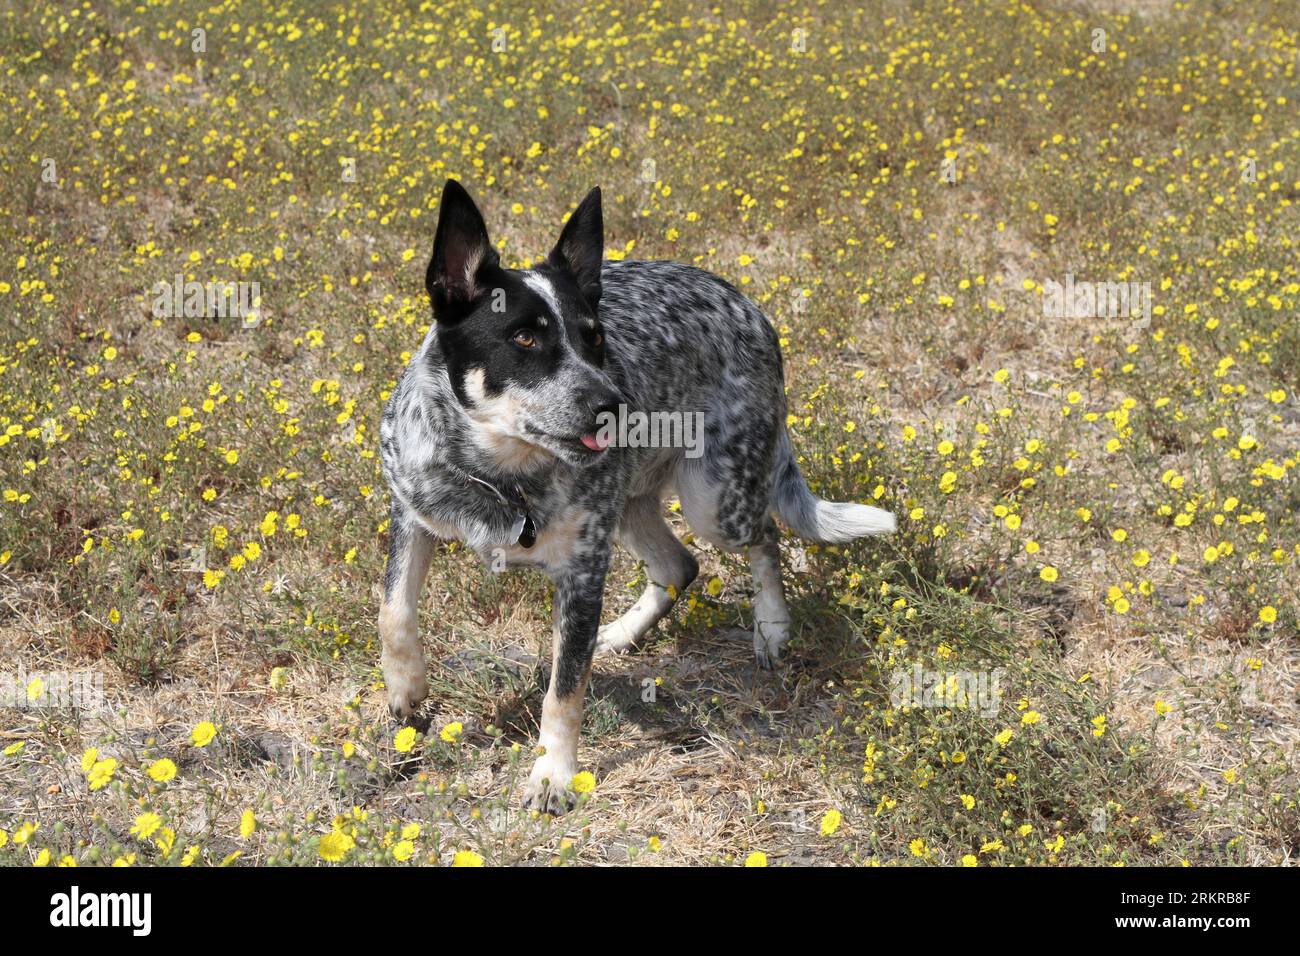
(578, 596)
(409, 550)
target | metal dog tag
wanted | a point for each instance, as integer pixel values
(524, 531)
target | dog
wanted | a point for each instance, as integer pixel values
(497, 435)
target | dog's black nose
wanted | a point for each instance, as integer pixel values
(604, 407)
(608, 408)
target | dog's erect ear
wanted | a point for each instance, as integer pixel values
(461, 250)
(582, 247)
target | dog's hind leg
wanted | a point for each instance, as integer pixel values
(409, 549)
(771, 613)
(730, 512)
(669, 565)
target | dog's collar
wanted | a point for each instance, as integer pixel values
(523, 532)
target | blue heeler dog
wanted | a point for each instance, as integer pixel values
(491, 437)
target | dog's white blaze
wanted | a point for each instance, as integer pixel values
(542, 286)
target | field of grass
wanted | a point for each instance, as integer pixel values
(1098, 513)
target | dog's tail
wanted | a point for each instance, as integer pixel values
(813, 519)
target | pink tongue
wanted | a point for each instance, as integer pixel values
(595, 443)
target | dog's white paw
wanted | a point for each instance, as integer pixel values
(407, 685)
(769, 638)
(550, 786)
(615, 638)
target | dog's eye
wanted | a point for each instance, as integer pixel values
(595, 338)
(524, 338)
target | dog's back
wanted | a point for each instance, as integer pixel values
(685, 340)
(682, 340)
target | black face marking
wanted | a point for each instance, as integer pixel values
(525, 345)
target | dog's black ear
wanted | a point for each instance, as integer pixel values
(581, 248)
(461, 250)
